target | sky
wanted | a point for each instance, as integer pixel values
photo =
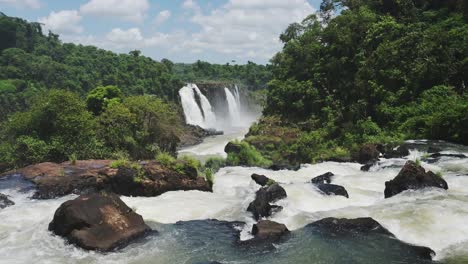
(217, 31)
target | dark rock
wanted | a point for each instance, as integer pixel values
(261, 206)
(338, 227)
(439, 155)
(369, 165)
(269, 230)
(98, 222)
(399, 152)
(332, 189)
(261, 180)
(413, 177)
(368, 152)
(433, 149)
(232, 147)
(324, 178)
(193, 135)
(339, 159)
(4, 201)
(285, 166)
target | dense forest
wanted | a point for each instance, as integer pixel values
(62, 100)
(363, 71)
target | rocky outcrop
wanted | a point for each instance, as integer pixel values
(339, 227)
(368, 165)
(155, 180)
(324, 178)
(332, 189)
(261, 206)
(261, 180)
(367, 153)
(448, 155)
(193, 135)
(266, 230)
(285, 166)
(54, 180)
(98, 222)
(4, 201)
(413, 177)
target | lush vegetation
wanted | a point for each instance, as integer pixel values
(61, 101)
(366, 71)
(251, 76)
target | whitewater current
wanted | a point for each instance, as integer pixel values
(431, 217)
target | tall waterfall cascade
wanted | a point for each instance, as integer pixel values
(199, 110)
(195, 114)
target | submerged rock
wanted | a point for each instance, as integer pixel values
(324, 178)
(261, 206)
(261, 180)
(439, 155)
(268, 230)
(433, 149)
(413, 177)
(369, 165)
(285, 166)
(339, 227)
(367, 152)
(98, 222)
(4, 201)
(332, 189)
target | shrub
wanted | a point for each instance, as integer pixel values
(166, 159)
(72, 158)
(209, 176)
(215, 163)
(248, 156)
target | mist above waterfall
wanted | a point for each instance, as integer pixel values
(224, 112)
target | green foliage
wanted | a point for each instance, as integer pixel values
(377, 72)
(215, 163)
(73, 158)
(270, 182)
(191, 161)
(417, 162)
(209, 176)
(100, 97)
(248, 156)
(166, 159)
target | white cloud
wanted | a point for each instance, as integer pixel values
(162, 16)
(62, 22)
(190, 4)
(129, 10)
(35, 4)
(247, 28)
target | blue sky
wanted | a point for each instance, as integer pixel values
(217, 31)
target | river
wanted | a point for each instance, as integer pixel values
(432, 217)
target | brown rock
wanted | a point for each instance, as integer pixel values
(98, 222)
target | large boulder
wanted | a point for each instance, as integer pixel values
(268, 230)
(413, 177)
(4, 201)
(261, 206)
(342, 227)
(98, 222)
(261, 180)
(324, 178)
(367, 153)
(332, 189)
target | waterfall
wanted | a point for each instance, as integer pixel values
(237, 94)
(233, 107)
(201, 115)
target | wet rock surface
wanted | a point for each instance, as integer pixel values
(413, 177)
(268, 230)
(99, 222)
(261, 206)
(261, 180)
(332, 189)
(5, 201)
(367, 153)
(324, 178)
